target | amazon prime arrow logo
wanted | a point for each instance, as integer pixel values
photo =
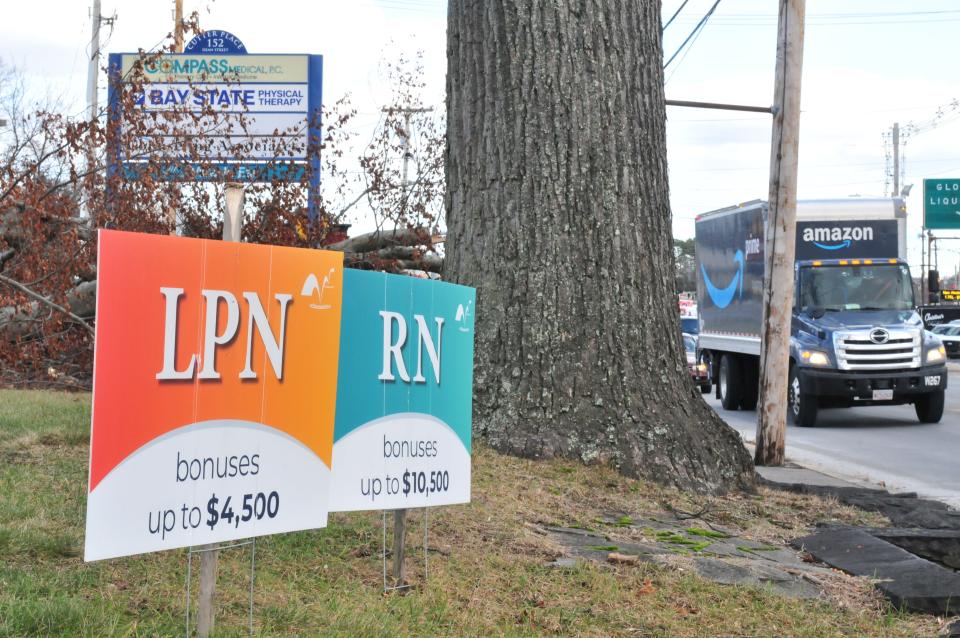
(844, 244)
(721, 297)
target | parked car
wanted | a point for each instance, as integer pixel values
(698, 369)
(949, 334)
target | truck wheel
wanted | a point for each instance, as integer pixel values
(751, 384)
(730, 382)
(802, 407)
(929, 407)
(705, 388)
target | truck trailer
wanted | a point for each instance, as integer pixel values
(856, 338)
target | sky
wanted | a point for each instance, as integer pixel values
(867, 64)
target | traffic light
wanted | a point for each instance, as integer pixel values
(933, 277)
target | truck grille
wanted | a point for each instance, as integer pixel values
(856, 351)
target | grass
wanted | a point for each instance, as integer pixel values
(706, 533)
(488, 565)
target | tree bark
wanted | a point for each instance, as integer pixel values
(558, 213)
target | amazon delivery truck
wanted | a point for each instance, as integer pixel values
(856, 338)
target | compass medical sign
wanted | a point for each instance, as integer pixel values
(217, 113)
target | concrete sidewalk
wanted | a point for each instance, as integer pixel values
(793, 474)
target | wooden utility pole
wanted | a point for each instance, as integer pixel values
(178, 25)
(93, 73)
(178, 48)
(781, 237)
(896, 159)
(93, 66)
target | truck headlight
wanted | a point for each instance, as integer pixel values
(701, 367)
(815, 358)
(936, 354)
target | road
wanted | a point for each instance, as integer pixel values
(884, 446)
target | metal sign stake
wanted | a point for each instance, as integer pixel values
(399, 539)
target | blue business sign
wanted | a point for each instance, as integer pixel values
(218, 113)
(215, 42)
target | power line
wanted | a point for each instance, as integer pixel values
(682, 5)
(871, 166)
(831, 23)
(867, 14)
(696, 29)
(683, 57)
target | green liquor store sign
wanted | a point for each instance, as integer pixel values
(941, 203)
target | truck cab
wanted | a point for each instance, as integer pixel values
(857, 339)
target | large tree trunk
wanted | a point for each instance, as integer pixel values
(557, 212)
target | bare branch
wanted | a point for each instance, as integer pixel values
(381, 239)
(355, 201)
(6, 320)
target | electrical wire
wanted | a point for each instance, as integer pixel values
(869, 14)
(693, 33)
(829, 23)
(682, 58)
(682, 5)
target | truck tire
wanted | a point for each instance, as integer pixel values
(751, 383)
(801, 406)
(730, 383)
(929, 407)
(706, 387)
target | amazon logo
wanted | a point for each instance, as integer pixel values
(837, 237)
(721, 297)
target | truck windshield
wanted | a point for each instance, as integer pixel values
(873, 287)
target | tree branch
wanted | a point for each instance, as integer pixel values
(354, 202)
(400, 256)
(382, 239)
(48, 302)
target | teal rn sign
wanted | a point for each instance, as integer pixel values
(941, 203)
(404, 394)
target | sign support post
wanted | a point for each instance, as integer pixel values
(232, 225)
(208, 585)
(233, 211)
(399, 546)
(400, 515)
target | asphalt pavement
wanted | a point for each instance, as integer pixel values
(881, 446)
